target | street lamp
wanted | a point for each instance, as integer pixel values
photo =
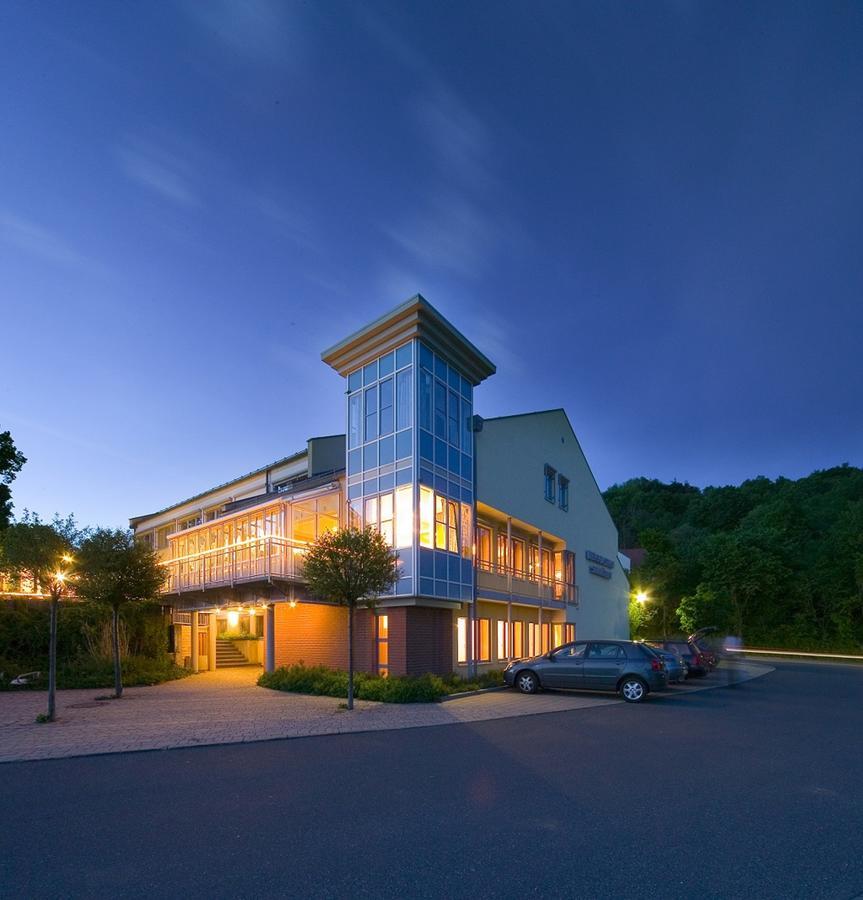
(641, 597)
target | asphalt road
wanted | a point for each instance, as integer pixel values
(751, 791)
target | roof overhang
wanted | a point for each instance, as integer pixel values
(416, 318)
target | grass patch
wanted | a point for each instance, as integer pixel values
(93, 673)
(325, 682)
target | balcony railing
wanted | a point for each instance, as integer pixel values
(257, 559)
(504, 579)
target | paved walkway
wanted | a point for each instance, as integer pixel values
(227, 707)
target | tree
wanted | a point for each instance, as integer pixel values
(11, 461)
(43, 553)
(114, 569)
(351, 568)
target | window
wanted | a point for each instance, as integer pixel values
(404, 516)
(371, 429)
(439, 410)
(503, 639)
(549, 483)
(483, 640)
(453, 419)
(557, 634)
(546, 638)
(386, 520)
(518, 639)
(518, 556)
(563, 492)
(501, 552)
(386, 388)
(605, 651)
(403, 399)
(452, 526)
(461, 640)
(571, 650)
(466, 426)
(483, 547)
(426, 517)
(425, 400)
(383, 639)
(533, 639)
(466, 530)
(569, 633)
(440, 522)
(546, 566)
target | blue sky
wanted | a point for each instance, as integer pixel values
(649, 214)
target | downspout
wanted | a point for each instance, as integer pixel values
(509, 566)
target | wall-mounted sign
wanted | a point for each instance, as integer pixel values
(598, 570)
(590, 556)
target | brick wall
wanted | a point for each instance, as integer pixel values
(317, 634)
(429, 640)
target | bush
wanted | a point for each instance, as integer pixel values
(239, 636)
(87, 672)
(323, 681)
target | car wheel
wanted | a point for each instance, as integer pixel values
(633, 690)
(527, 682)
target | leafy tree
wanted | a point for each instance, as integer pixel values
(31, 549)
(11, 461)
(351, 568)
(113, 570)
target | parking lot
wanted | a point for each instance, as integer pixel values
(226, 707)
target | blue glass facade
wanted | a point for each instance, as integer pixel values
(410, 466)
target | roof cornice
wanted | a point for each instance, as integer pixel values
(416, 318)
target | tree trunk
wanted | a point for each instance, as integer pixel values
(115, 646)
(351, 656)
(52, 659)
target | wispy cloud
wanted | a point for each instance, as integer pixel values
(292, 223)
(161, 168)
(36, 240)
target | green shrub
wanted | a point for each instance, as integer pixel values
(87, 672)
(323, 681)
(239, 636)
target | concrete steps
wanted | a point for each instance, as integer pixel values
(227, 655)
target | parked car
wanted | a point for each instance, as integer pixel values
(625, 667)
(675, 665)
(696, 662)
(698, 639)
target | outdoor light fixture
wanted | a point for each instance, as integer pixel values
(641, 597)
(233, 618)
(292, 603)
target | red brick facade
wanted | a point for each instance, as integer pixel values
(420, 638)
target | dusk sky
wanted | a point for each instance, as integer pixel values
(647, 213)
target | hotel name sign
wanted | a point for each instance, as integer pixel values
(599, 565)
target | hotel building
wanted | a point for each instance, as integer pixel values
(505, 547)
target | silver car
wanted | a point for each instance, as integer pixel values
(625, 667)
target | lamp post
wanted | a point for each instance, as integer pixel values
(56, 589)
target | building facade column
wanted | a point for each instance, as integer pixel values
(194, 648)
(211, 642)
(270, 638)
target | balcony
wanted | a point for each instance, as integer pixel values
(264, 559)
(499, 579)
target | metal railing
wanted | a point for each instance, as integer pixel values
(497, 577)
(256, 559)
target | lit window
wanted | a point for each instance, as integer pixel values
(466, 530)
(562, 492)
(501, 552)
(426, 517)
(404, 516)
(452, 526)
(386, 521)
(383, 645)
(483, 547)
(483, 640)
(440, 522)
(546, 638)
(549, 483)
(557, 634)
(461, 640)
(518, 556)
(371, 512)
(568, 634)
(518, 639)
(502, 639)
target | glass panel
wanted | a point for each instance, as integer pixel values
(453, 419)
(426, 517)
(355, 462)
(426, 357)
(354, 420)
(440, 522)
(403, 399)
(518, 556)
(370, 373)
(404, 516)
(403, 444)
(466, 530)
(466, 426)
(303, 515)
(403, 356)
(387, 450)
(371, 430)
(355, 380)
(461, 640)
(370, 456)
(425, 400)
(483, 547)
(426, 446)
(439, 410)
(385, 364)
(371, 512)
(484, 640)
(452, 526)
(386, 415)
